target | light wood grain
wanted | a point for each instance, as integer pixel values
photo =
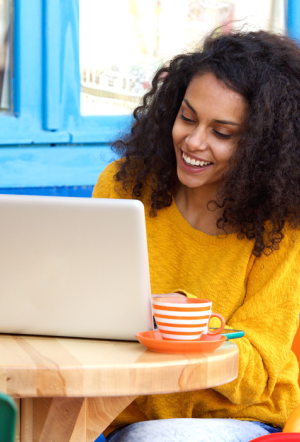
(71, 389)
(80, 431)
(95, 416)
(59, 419)
(68, 419)
(102, 411)
(53, 367)
(18, 429)
(26, 420)
(49, 420)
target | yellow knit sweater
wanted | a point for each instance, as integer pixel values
(258, 295)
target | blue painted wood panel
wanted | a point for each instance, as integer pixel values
(70, 191)
(48, 166)
(293, 19)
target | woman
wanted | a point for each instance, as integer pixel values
(214, 154)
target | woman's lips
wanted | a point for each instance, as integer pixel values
(193, 168)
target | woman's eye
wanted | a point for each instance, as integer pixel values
(186, 119)
(221, 135)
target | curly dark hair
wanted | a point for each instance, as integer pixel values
(262, 185)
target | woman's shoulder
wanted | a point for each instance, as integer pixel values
(291, 244)
(290, 238)
(107, 186)
(282, 259)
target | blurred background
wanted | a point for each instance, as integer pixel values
(71, 73)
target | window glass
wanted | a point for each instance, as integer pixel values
(123, 42)
(5, 55)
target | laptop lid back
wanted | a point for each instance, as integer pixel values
(73, 267)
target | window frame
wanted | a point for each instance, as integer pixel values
(46, 80)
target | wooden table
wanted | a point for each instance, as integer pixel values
(69, 390)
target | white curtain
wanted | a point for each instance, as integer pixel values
(262, 14)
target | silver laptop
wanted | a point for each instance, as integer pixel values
(73, 267)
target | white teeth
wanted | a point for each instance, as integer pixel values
(194, 162)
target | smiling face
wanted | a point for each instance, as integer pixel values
(206, 131)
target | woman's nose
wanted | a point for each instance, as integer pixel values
(197, 140)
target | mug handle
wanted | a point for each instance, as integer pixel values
(222, 326)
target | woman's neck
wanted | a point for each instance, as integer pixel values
(192, 204)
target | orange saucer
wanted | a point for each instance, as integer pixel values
(153, 341)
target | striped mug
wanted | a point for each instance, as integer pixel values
(184, 319)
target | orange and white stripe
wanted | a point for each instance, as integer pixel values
(181, 319)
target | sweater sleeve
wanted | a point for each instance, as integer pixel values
(270, 317)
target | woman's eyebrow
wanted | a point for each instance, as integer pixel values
(215, 121)
(226, 122)
(190, 106)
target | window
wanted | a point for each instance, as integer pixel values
(123, 43)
